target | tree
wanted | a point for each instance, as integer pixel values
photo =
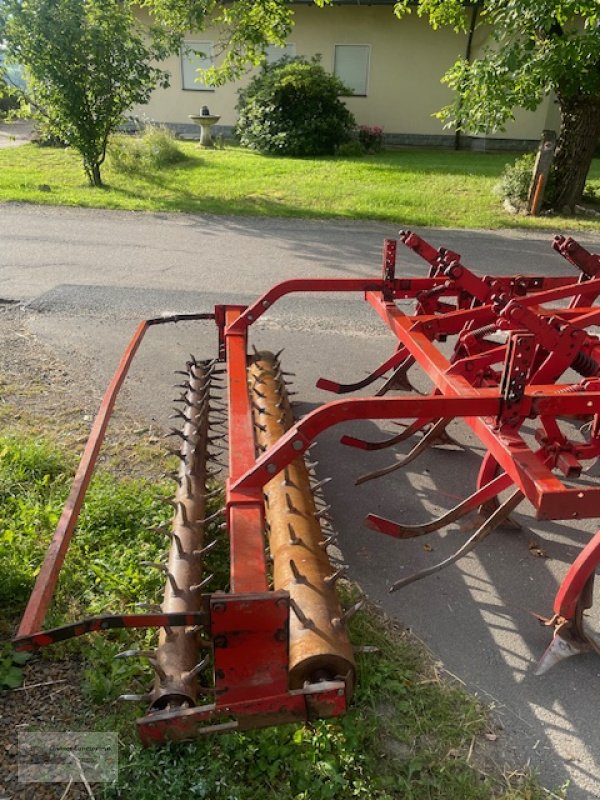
(89, 61)
(537, 47)
(86, 63)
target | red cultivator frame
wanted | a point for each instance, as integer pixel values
(283, 654)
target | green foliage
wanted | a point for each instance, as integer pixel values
(351, 149)
(155, 149)
(245, 27)
(515, 180)
(536, 48)
(11, 667)
(86, 64)
(293, 108)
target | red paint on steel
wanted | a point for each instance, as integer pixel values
(245, 516)
(47, 578)
(579, 572)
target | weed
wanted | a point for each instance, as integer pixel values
(11, 667)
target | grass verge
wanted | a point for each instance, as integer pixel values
(409, 734)
(408, 187)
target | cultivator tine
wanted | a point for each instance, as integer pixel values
(318, 646)
(431, 438)
(398, 380)
(345, 388)
(410, 430)
(480, 534)
(467, 506)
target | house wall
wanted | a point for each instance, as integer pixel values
(407, 60)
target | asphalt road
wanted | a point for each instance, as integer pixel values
(86, 277)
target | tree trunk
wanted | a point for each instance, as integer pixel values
(577, 141)
(93, 173)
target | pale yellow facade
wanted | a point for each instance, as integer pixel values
(406, 60)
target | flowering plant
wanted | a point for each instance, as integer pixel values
(371, 138)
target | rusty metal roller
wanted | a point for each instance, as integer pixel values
(177, 660)
(319, 644)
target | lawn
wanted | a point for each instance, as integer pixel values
(409, 187)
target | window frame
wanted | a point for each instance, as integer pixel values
(368, 65)
(182, 59)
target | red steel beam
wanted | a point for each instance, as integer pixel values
(248, 571)
(47, 578)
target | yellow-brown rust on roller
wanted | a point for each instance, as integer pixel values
(319, 643)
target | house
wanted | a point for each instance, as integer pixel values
(393, 68)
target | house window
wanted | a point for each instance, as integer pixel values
(194, 56)
(351, 66)
(275, 53)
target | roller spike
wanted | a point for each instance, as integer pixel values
(257, 408)
(262, 395)
(348, 614)
(136, 654)
(183, 513)
(185, 385)
(294, 538)
(223, 526)
(194, 361)
(212, 472)
(288, 374)
(177, 453)
(211, 517)
(193, 630)
(306, 622)
(135, 698)
(180, 551)
(261, 428)
(197, 587)
(182, 372)
(206, 549)
(255, 351)
(323, 512)
(214, 493)
(154, 608)
(164, 528)
(287, 481)
(278, 353)
(332, 579)
(320, 484)
(298, 576)
(180, 415)
(290, 505)
(188, 676)
(333, 539)
(183, 398)
(165, 569)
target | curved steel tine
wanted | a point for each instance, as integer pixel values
(344, 388)
(410, 430)
(427, 440)
(391, 528)
(399, 380)
(480, 534)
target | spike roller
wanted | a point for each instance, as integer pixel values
(177, 656)
(319, 644)
(275, 648)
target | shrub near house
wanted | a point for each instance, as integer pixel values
(293, 108)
